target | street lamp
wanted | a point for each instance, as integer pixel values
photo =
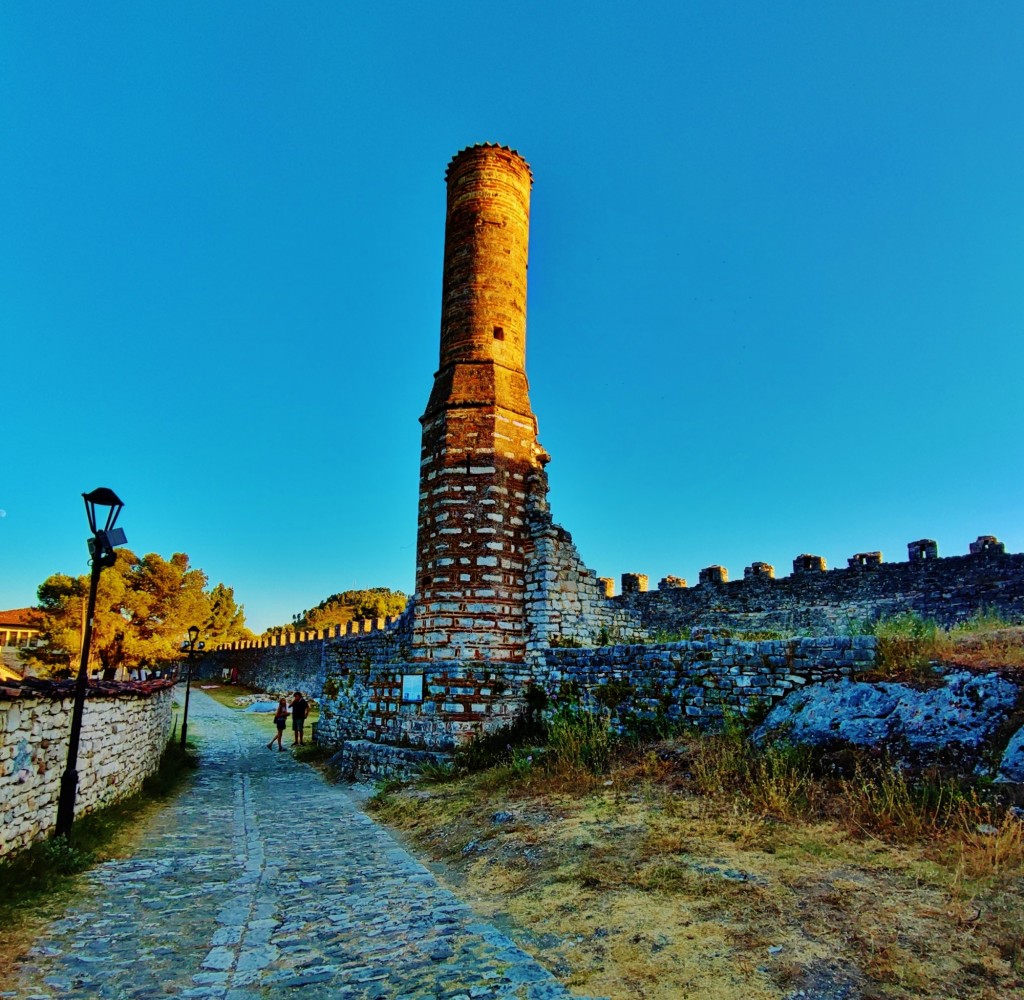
(190, 645)
(101, 548)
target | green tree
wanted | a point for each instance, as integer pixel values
(226, 619)
(62, 601)
(350, 605)
(144, 607)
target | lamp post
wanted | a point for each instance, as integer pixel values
(101, 548)
(190, 643)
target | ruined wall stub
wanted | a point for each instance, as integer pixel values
(480, 453)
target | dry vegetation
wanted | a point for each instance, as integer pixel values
(703, 867)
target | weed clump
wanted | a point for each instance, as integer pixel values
(579, 739)
(907, 645)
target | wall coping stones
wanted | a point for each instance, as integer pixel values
(41, 687)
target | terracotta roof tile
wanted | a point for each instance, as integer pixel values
(40, 687)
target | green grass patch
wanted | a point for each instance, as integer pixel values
(228, 695)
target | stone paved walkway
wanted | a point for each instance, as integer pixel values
(261, 880)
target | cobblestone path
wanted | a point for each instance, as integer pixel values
(261, 880)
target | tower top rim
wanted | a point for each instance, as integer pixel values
(487, 145)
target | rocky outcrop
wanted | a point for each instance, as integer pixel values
(962, 723)
(1011, 767)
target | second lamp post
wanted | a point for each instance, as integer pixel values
(191, 645)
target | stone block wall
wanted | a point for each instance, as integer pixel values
(125, 728)
(365, 760)
(295, 667)
(700, 680)
(373, 692)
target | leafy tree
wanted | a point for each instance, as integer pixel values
(226, 619)
(144, 607)
(349, 605)
(62, 605)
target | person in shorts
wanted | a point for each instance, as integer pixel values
(300, 709)
(280, 720)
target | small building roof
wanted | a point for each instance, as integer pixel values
(20, 618)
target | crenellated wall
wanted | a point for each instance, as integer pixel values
(291, 661)
(817, 601)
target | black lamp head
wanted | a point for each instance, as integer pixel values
(102, 497)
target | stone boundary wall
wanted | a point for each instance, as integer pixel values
(823, 602)
(125, 729)
(362, 760)
(698, 680)
(701, 679)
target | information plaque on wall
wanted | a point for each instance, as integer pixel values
(412, 687)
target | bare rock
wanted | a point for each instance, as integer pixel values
(956, 721)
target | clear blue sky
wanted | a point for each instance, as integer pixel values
(776, 285)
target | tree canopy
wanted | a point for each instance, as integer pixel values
(349, 605)
(144, 606)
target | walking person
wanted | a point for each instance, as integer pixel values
(280, 720)
(300, 709)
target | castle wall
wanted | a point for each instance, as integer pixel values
(566, 602)
(293, 667)
(822, 602)
(374, 692)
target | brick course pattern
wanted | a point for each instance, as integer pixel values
(479, 446)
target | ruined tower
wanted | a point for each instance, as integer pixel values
(480, 457)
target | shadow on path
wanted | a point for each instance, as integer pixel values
(262, 880)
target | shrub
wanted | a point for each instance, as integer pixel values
(662, 635)
(431, 773)
(983, 620)
(488, 749)
(579, 739)
(907, 643)
(612, 693)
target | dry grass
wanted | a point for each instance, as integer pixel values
(908, 645)
(669, 878)
(986, 649)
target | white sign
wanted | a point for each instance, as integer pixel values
(412, 687)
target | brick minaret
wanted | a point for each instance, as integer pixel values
(480, 454)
